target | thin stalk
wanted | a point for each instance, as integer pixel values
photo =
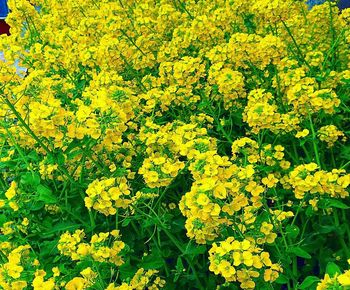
(314, 142)
(296, 44)
(340, 237)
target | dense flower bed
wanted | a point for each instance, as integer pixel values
(168, 143)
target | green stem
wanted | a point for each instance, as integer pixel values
(345, 221)
(296, 44)
(317, 156)
(184, 8)
(3, 183)
(132, 41)
(116, 220)
(345, 165)
(306, 153)
(177, 244)
(31, 133)
(295, 272)
(20, 119)
(18, 148)
(340, 236)
(298, 210)
(92, 221)
(333, 159)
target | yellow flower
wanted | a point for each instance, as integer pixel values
(265, 258)
(14, 205)
(344, 279)
(270, 181)
(270, 238)
(325, 282)
(220, 191)
(18, 285)
(77, 283)
(83, 249)
(89, 276)
(279, 148)
(13, 269)
(254, 188)
(270, 275)
(56, 272)
(203, 199)
(266, 228)
(39, 283)
(11, 192)
(172, 205)
(243, 258)
(302, 134)
(226, 269)
(112, 167)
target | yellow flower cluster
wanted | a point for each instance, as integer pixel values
(142, 280)
(274, 10)
(307, 178)
(306, 99)
(11, 194)
(181, 139)
(80, 283)
(228, 84)
(224, 193)
(314, 58)
(13, 227)
(107, 195)
(203, 215)
(261, 113)
(242, 261)
(246, 50)
(330, 134)
(12, 270)
(47, 170)
(98, 248)
(40, 283)
(158, 170)
(247, 150)
(337, 281)
(126, 97)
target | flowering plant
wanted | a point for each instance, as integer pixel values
(164, 144)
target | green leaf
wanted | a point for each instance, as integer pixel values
(148, 222)
(297, 251)
(152, 262)
(59, 158)
(332, 269)
(126, 271)
(61, 227)
(327, 229)
(308, 282)
(292, 231)
(33, 156)
(3, 219)
(179, 265)
(126, 222)
(282, 279)
(45, 194)
(37, 205)
(48, 248)
(194, 250)
(309, 211)
(179, 269)
(327, 203)
(30, 178)
(75, 153)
